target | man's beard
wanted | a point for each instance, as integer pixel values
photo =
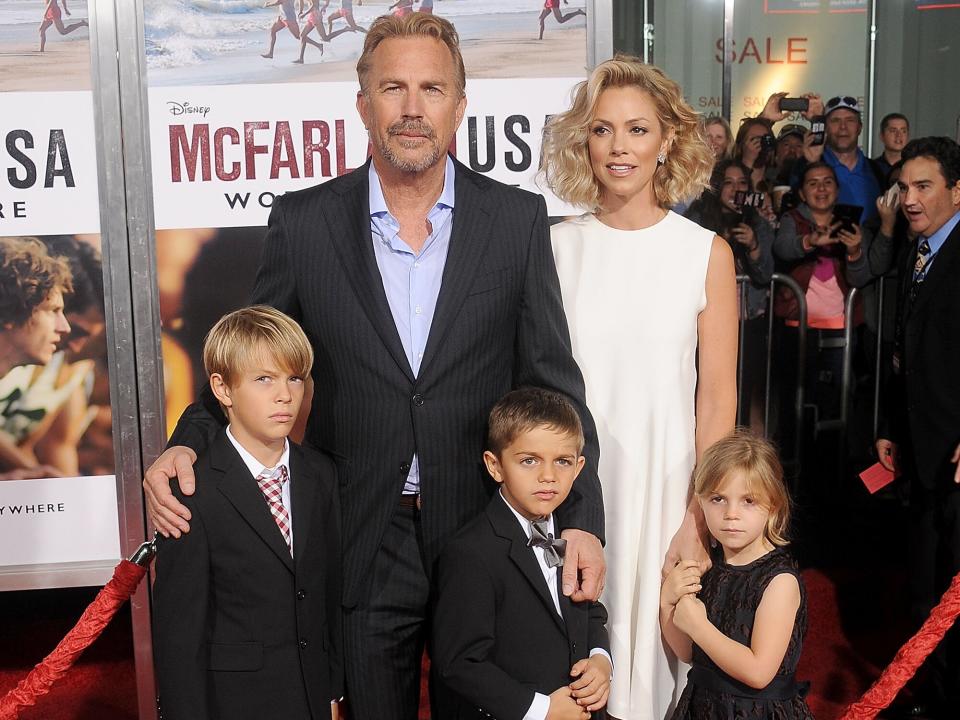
(404, 164)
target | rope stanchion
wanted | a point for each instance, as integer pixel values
(126, 576)
(908, 658)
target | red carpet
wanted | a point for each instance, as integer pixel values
(848, 641)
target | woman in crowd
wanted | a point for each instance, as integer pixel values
(751, 238)
(755, 147)
(643, 289)
(719, 137)
(825, 258)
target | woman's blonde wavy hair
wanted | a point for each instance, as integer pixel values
(565, 157)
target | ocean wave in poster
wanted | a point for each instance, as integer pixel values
(189, 32)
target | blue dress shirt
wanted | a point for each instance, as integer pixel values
(411, 280)
(858, 186)
(937, 240)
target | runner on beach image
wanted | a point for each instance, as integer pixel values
(286, 18)
(553, 6)
(345, 12)
(52, 16)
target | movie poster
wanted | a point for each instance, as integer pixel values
(247, 102)
(58, 500)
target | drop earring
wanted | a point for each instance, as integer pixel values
(661, 159)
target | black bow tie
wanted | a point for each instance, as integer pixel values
(553, 548)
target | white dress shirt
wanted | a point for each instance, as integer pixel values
(256, 468)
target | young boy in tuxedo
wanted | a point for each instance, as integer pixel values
(247, 604)
(507, 642)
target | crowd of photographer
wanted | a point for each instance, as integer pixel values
(793, 193)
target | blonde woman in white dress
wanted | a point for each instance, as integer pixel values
(651, 301)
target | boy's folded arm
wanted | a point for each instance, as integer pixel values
(757, 665)
(464, 632)
(180, 599)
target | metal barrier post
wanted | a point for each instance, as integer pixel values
(878, 356)
(847, 360)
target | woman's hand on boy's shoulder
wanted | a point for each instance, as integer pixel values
(684, 579)
(592, 686)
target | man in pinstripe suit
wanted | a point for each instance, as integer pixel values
(428, 291)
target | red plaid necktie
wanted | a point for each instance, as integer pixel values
(271, 485)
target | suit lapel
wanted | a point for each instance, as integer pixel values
(304, 487)
(468, 243)
(241, 489)
(940, 272)
(506, 526)
(350, 234)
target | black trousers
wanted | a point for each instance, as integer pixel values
(385, 634)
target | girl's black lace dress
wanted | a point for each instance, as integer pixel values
(732, 595)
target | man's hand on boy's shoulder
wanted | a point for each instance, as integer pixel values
(584, 567)
(563, 706)
(166, 513)
(592, 686)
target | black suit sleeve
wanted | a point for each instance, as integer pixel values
(334, 592)
(180, 601)
(465, 636)
(544, 358)
(597, 634)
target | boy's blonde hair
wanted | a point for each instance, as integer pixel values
(565, 157)
(757, 460)
(244, 337)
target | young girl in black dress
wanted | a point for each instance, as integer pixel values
(742, 623)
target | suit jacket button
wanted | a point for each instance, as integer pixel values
(303, 643)
(418, 400)
(301, 594)
(404, 468)
(574, 647)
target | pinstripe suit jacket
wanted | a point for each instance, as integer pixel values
(499, 324)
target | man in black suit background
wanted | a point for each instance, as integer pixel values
(922, 436)
(427, 291)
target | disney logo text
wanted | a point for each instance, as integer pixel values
(186, 108)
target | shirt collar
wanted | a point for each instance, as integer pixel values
(833, 161)
(378, 204)
(255, 466)
(940, 236)
(524, 523)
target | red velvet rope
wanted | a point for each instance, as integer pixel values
(908, 658)
(115, 593)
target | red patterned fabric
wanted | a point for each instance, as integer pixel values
(271, 485)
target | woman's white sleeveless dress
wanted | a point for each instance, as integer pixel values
(632, 300)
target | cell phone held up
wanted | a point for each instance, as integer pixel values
(789, 104)
(848, 216)
(768, 145)
(817, 127)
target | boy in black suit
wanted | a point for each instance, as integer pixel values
(507, 641)
(247, 620)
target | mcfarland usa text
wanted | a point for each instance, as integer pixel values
(32, 509)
